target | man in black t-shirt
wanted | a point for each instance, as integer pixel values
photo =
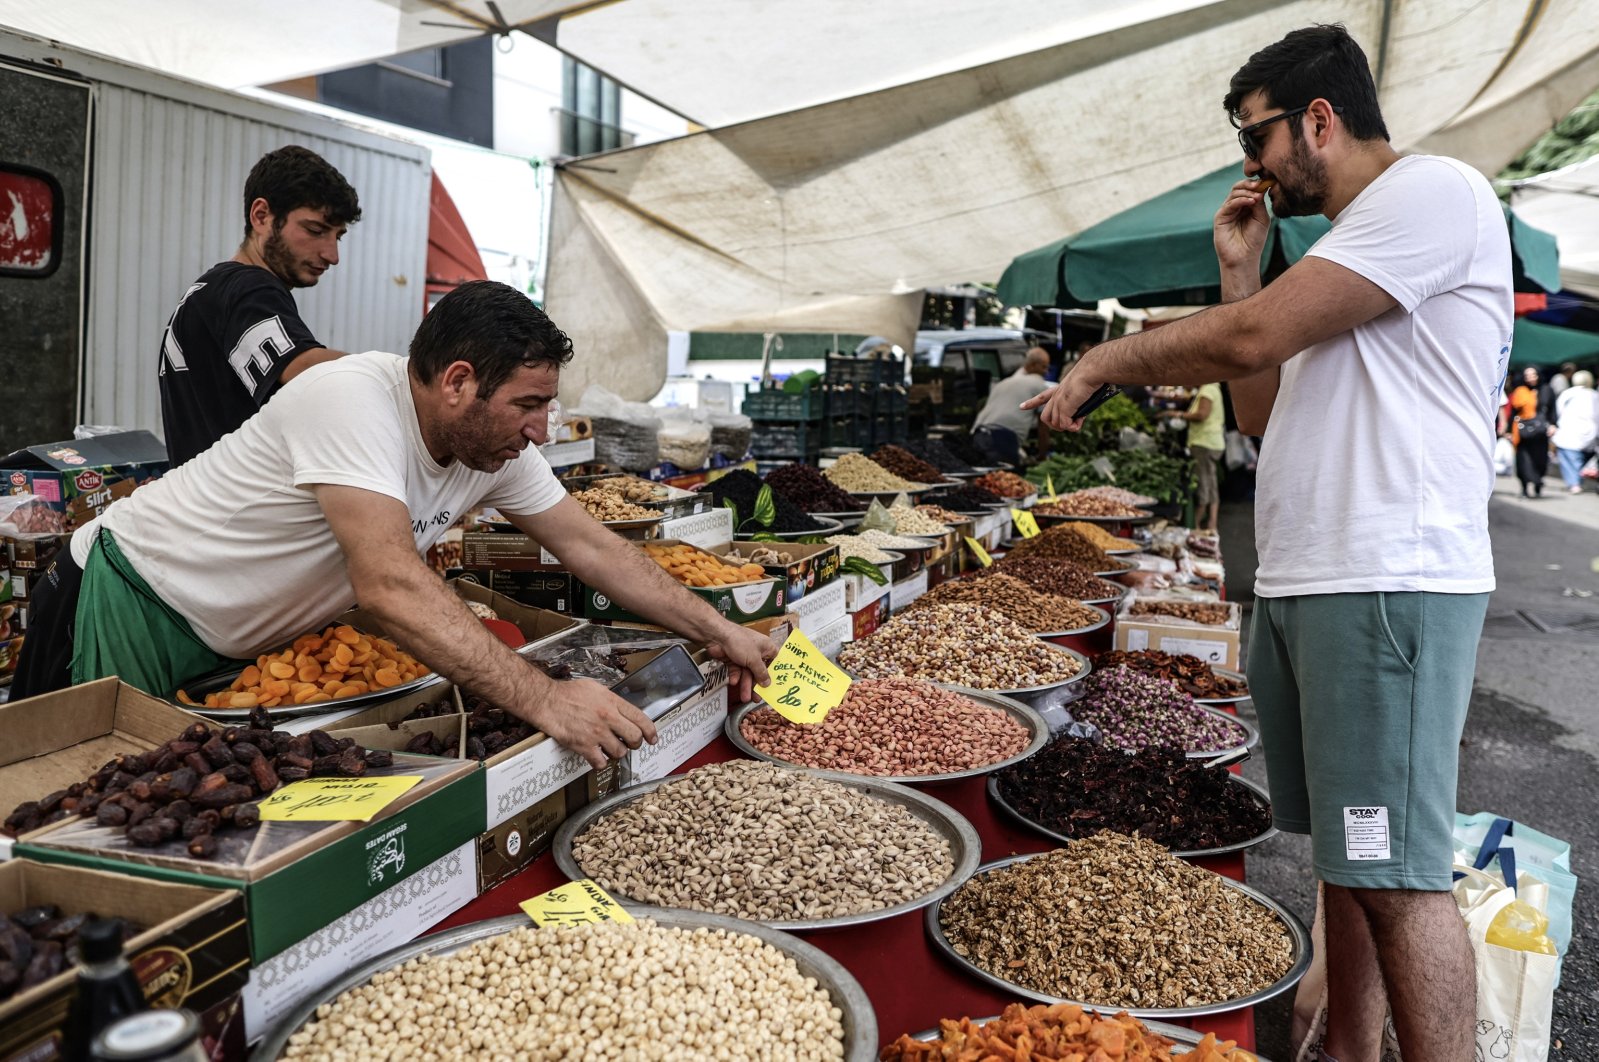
(236, 335)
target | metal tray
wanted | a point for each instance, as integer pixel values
(886, 496)
(1237, 676)
(1015, 709)
(1183, 1037)
(218, 680)
(1131, 521)
(859, 1019)
(1104, 618)
(1115, 599)
(999, 801)
(829, 526)
(1299, 961)
(1229, 754)
(965, 848)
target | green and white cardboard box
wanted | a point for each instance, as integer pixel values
(398, 914)
(832, 638)
(741, 603)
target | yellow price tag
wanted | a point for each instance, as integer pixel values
(580, 903)
(1024, 523)
(335, 799)
(1049, 484)
(979, 552)
(805, 685)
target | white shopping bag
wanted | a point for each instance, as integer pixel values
(1515, 989)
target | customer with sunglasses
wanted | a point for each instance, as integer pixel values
(1371, 367)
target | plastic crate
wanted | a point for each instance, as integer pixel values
(866, 370)
(784, 439)
(784, 406)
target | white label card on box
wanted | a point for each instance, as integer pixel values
(1366, 834)
(1137, 640)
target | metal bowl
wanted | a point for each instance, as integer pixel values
(1299, 961)
(859, 1019)
(1183, 1037)
(643, 523)
(1228, 754)
(1237, 676)
(965, 848)
(886, 496)
(849, 519)
(829, 527)
(1143, 517)
(1111, 604)
(221, 680)
(1015, 709)
(1099, 624)
(999, 801)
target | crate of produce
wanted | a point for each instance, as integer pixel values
(865, 370)
(782, 405)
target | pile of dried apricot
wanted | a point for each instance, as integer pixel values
(338, 663)
(692, 566)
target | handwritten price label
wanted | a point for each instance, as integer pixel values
(1049, 485)
(335, 799)
(579, 904)
(1024, 523)
(978, 551)
(805, 684)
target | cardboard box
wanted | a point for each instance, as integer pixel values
(534, 621)
(813, 567)
(506, 551)
(80, 477)
(192, 951)
(865, 621)
(33, 551)
(907, 590)
(820, 609)
(1217, 645)
(740, 603)
(510, 847)
(683, 732)
(299, 877)
(555, 591)
(860, 591)
(831, 639)
(400, 913)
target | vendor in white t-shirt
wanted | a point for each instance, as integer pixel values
(1372, 368)
(330, 496)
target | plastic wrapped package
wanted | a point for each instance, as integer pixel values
(731, 434)
(625, 433)
(684, 439)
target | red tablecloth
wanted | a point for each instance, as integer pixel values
(910, 985)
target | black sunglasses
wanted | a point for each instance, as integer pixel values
(1249, 135)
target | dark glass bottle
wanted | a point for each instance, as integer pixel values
(107, 987)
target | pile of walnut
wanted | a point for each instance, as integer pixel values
(202, 782)
(38, 943)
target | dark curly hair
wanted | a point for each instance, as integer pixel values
(293, 177)
(1315, 62)
(490, 326)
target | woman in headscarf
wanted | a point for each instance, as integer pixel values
(1577, 427)
(1529, 430)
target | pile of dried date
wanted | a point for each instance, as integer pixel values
(38, 943)
(489, 730)
(202, 782)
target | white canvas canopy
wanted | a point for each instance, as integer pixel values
(1565, 202)
(859, 152)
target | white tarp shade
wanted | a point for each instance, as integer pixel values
(1565, 202)
(950, 177)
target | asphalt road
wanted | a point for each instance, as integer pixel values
(1531, 747)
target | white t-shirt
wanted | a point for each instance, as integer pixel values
(1005, 398)
(1377, 464)
(235, 541)
(1578, 411)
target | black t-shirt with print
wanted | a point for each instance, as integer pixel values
(222, 352)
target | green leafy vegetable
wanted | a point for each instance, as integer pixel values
(862, 566)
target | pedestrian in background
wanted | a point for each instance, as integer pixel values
(1576, 428)
(1562, 379)
(1207, 439)
(1531, 405)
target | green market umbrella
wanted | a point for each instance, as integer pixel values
(1160, 253)
(1544, 345)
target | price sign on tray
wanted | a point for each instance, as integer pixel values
(978, 551)
(805, 684)
(579, 903)
(1024, 523)
(335, 799)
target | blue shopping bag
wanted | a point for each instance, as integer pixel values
(1508, 849)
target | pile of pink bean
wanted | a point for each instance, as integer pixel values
(892, 726)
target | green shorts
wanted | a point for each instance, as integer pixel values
(1362, 699)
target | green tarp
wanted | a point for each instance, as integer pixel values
(1160, 253)
(1545, 345)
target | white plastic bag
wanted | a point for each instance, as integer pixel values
(1515, 989)
(1504, 457)
(684, 439)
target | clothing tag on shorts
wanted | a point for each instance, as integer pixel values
(1366, 834)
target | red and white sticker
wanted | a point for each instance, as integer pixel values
(1366, 834)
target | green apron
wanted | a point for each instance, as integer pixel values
(124, 629)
